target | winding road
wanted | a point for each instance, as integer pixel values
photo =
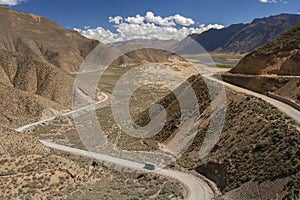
(91, 107)
(285, 108)
(197, 188)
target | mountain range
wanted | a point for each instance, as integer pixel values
(244, 38)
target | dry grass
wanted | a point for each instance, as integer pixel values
(31, 171)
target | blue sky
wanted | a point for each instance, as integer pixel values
(95, 13)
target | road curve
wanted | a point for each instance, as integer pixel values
(285, 108)
(86, 108)
(197, 189)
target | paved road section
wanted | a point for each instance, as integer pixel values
(71, 113)
(285, 108)
(197, 189)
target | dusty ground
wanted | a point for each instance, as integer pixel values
(258, 144)
(31, 171)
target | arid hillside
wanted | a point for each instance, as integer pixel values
(36, 58)
(39, 60)
(257, 153)
(28, 86)
(150, 43)
(145, 56)
(19, 107)
(32, 75)
(31, 171)
(34, 35)
(256, 156)
(290, 90)
(281, 56)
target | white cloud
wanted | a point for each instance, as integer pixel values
(147, 27)
(135, 20)
(151, 18)
(183, 20)
(116, 20)
(11, 2)
(168, 21)
(268, 1)
(274, 1)
(100, 34)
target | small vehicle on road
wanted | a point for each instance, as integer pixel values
(150, 166)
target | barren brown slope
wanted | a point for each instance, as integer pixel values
(36, 57)
(145, 56)
(34, 76)
(18, 107)
(150, 43)
(280, 56)
(34, 35)
(290, 90)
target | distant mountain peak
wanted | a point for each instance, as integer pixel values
(243, 38)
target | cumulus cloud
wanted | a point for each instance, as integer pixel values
(135, 20)
(116, 20)
(11, 2)
(100, 34)
(147, 27)
(151, 18)
(183, 20)
(168, 21)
